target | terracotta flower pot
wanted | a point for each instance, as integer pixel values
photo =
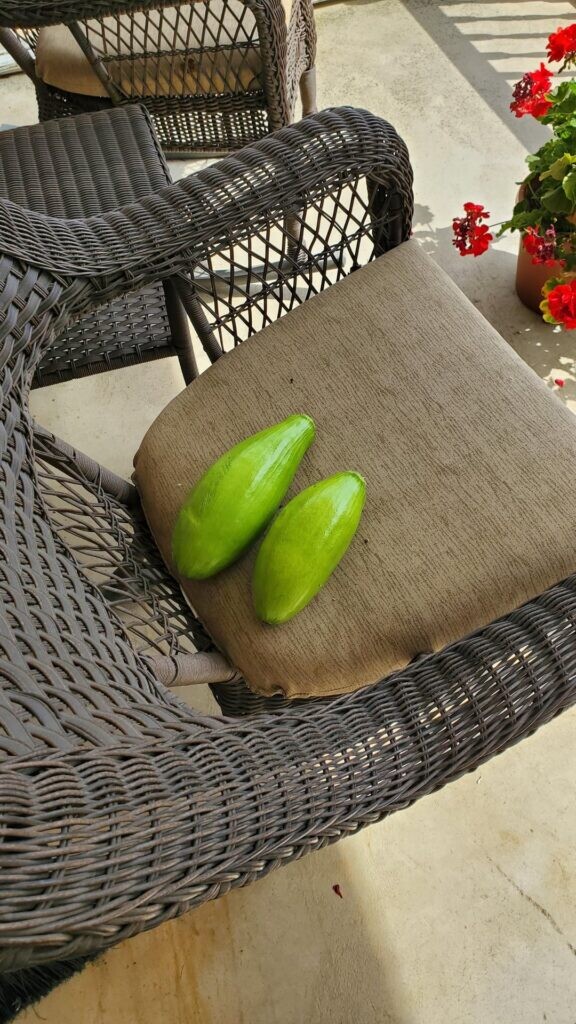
(530, 279)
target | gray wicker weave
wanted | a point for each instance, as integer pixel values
(215, 75)
(119, 806)
(94, 163)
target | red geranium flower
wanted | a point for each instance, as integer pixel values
(542, 248)
(471, 238)
(531, 241)
(476, 210)
(541, 78)
(530, 93)
(538, 106)
(480, 240)
(562, 43)
(561, 304)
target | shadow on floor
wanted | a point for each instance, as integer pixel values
(488, 281)
(472, 41)
(280, 950)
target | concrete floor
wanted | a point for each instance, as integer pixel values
(460, 909)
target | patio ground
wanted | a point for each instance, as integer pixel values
(461, 909)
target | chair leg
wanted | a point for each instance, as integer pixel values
(198, 318)
(308, 92)
(180, 333)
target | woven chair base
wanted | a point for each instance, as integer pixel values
(188, 127)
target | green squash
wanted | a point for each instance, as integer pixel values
(236, 498)
(305, 544)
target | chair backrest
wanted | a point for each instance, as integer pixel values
(75, 167)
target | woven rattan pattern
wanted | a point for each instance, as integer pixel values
(79, 167)
(119, 806)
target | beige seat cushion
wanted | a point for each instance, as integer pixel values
(231, 67)
(470, 464)
(61, 63)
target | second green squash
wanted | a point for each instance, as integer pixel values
(305, 544)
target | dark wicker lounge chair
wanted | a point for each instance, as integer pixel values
(214, 74)
(120, 807)
(90, 618)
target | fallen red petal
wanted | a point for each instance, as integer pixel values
(559, 382)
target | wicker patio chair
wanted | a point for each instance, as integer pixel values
(215, 74)
(120, 807)
(91, 623)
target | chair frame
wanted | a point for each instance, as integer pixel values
(120, 807)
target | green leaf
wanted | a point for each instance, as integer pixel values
(520, 207)
(521, 220)
(547, 154)
(547, 317)
(527, 219)
(569, 186)
(556, 201)
(564, 99)
(570, 260)
(550, 284)
(558, 169)
(567, 132)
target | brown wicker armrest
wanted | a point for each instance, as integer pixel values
(187, 223)
(101, 841)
